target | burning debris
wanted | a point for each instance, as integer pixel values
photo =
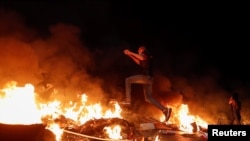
(88, 122)
(94, 129)
(101, 128)
(97, 127)
(121, 129)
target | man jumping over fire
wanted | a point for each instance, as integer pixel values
(144, 60)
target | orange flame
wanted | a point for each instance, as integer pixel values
(19, 106)
(114, 133)
(157, 138)
(186, 121)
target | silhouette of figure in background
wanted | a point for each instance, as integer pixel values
(235, 106)
(144, 60)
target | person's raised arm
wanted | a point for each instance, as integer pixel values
(134, 56)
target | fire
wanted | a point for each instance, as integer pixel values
(185, 121)
(55, 128)
(19, 106)
(114, 133)
(157, 138)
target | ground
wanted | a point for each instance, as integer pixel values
(162, 131)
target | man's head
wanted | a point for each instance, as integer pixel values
(235, 96)
(141, 49)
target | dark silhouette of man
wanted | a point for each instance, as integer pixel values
(144, 60)
(235, 105)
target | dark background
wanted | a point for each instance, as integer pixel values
(214, 32)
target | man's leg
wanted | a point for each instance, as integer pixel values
(233, 118)
(128, 89)
(238, 118)
(128, 83)
(147, 88)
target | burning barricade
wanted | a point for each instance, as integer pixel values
(19, 107)
(85, 122)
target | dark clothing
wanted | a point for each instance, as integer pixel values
(146, 66)
(235, 109)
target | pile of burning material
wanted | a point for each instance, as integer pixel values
(101, 129)
(197, 132)
(194, 130)
(83, 122)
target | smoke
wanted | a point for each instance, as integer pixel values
(62, 59)
(17, 57)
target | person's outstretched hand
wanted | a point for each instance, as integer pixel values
(126, 51)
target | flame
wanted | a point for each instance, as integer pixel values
(19, 106)
(55, 128)
(186, 121)
(157, 138)
(114, 133)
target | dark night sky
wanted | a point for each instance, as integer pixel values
(214, 33)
